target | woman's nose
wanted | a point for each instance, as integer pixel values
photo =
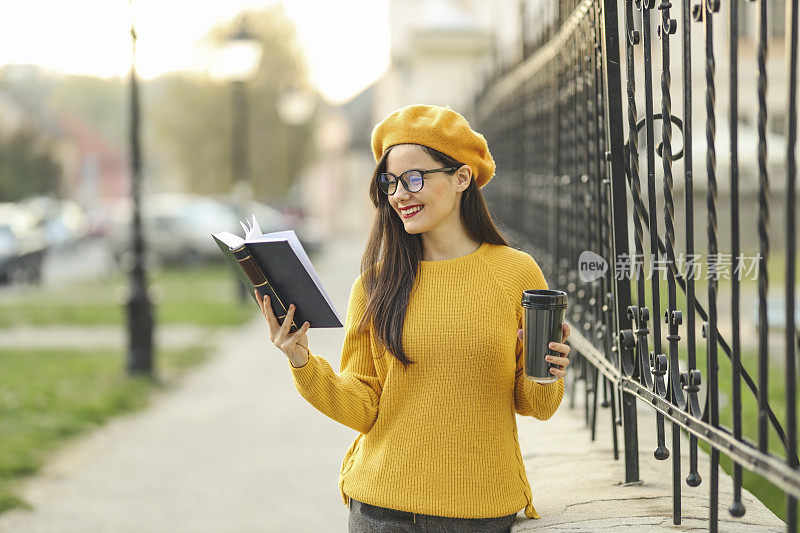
(401, 194)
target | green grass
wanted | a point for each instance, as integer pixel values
(770, 495)
(205, 296)
(49, 396)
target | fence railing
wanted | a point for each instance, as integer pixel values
(568, 154)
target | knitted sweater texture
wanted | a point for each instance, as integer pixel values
(439, 438)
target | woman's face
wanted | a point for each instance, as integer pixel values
(440, 195)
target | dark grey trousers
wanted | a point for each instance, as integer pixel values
(366, 518)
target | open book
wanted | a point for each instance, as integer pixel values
(277, 265)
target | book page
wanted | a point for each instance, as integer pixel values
(233, 241)
(251, 230)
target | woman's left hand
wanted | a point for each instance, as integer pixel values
(560, 347)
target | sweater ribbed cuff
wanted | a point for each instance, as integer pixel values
(303, 376)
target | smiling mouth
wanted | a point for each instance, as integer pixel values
(412, 214)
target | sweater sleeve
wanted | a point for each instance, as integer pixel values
(530, 398)
(351, 396)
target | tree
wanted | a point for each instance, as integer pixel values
(191, 114)
(26, 166)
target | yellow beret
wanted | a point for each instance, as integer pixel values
(439, 128)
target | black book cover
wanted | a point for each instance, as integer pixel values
(286, 282)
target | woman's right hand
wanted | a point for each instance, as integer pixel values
(294, 346)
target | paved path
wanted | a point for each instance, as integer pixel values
(57, 336)
(234, 448)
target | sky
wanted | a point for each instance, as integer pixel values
(346, 42)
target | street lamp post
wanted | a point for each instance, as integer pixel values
(295, 107)
(240, 147)
(140, 315)
(239, 60)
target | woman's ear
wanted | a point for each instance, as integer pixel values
(464, 176)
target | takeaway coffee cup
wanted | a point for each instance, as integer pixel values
(543, 314)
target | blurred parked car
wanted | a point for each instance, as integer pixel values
(100, 220)
(178, 227)
(22, 244)
(273, 219)
(64, 221)
(9, 245)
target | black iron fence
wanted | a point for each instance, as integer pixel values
(652, 319)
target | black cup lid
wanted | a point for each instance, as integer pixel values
(544, 298)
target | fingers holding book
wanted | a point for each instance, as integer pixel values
(294, 346)
(266, 310)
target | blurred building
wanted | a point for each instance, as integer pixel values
(335, 187)
(439, 50)
(438, 53)
(94, 170)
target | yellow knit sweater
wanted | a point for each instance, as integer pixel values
(441, 437)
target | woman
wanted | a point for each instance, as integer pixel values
(431, 374)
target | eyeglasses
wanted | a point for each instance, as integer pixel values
(412, 179)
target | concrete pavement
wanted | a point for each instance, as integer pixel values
(234, 448)
(577, 484)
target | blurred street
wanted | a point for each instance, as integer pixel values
(89, 259)
(85, 260)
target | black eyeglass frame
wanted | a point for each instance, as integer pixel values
(401, 179)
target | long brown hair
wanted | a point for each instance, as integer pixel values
(391, 258)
